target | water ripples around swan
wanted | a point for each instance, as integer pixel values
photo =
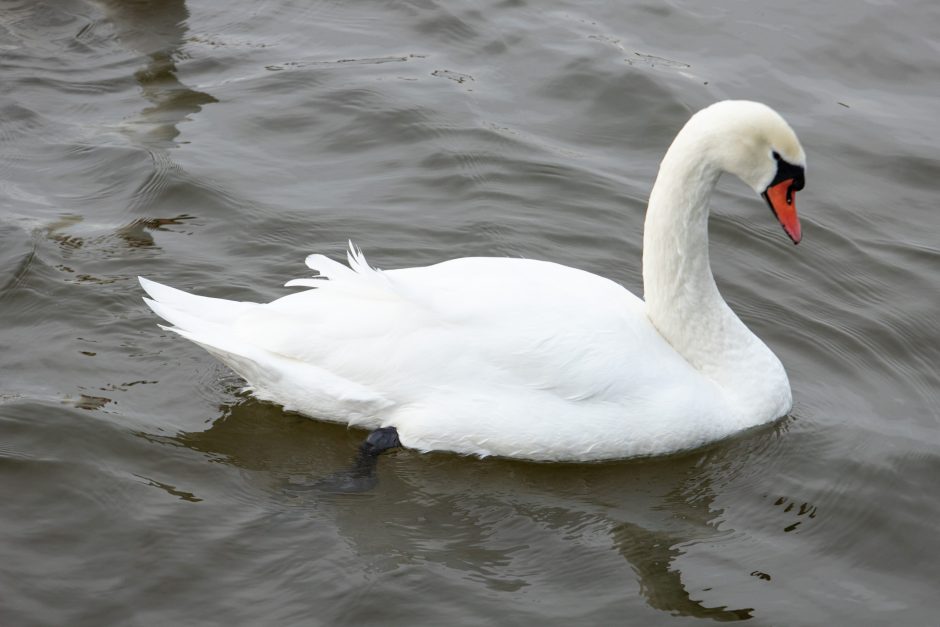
(215, 144)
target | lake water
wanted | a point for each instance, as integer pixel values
(212, 145)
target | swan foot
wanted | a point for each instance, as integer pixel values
(380, 441)
(362, 475)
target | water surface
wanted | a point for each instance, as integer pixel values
(212, 145)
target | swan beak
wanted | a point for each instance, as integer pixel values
(780, 199)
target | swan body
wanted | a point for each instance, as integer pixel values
(523, 358)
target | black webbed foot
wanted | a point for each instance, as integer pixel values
(380, 441)
(362, 475)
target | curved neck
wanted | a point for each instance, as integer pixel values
(682, 300)
(676, 270)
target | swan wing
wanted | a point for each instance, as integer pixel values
(515, 322)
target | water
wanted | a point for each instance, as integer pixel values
(212, 145)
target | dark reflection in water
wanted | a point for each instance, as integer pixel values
(652, 555)
(16, 255)
(136, 234)
(156, 29)
(297, 451)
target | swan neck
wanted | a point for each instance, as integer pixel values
(682, 300)
(676, 267)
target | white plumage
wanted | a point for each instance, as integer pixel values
(523, 358)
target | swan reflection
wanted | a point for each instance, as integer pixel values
(490, 519)
(157, 31)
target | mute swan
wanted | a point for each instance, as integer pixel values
(530, 359)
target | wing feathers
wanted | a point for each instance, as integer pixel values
(359, 277)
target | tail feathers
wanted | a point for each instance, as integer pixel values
(181, 320)
(241, 357)
(188, 310)
(209, 333)
(209, 323)
(227, 329)
(297, 385)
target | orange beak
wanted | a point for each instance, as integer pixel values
(780, 199)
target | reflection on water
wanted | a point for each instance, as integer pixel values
(293, 449)
(156, 29)
(652, 555)
(155, 33)
(16, 255)
(136, 234)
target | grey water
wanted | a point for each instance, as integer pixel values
(212, 145)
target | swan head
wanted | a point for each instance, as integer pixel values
(753, 142)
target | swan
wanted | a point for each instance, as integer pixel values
(530, 359)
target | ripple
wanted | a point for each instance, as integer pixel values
(212, 145)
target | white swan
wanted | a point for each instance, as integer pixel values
(531, 359)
